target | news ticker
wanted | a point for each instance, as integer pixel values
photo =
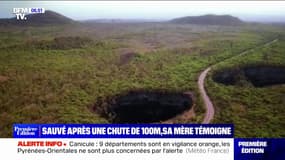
(167, 141)
(123, 131)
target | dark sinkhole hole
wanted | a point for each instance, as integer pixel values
(258, 76)
(144, 106)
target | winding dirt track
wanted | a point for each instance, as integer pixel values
(210, 110)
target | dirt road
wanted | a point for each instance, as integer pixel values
(210, 110)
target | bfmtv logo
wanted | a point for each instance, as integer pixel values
(22, 12)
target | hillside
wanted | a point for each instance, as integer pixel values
(226, 20)
(49, 17)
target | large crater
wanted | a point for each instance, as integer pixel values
(258, 76)
(144, 106)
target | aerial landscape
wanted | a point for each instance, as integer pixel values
(210, 68)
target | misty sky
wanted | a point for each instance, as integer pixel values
(159, 10)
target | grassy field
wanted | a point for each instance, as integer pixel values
(255, 111)
(56, 74)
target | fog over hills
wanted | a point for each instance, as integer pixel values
(51, 17)
(248, 11)
(210, 19)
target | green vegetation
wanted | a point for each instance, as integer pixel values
(58, 80)
(256, 112)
